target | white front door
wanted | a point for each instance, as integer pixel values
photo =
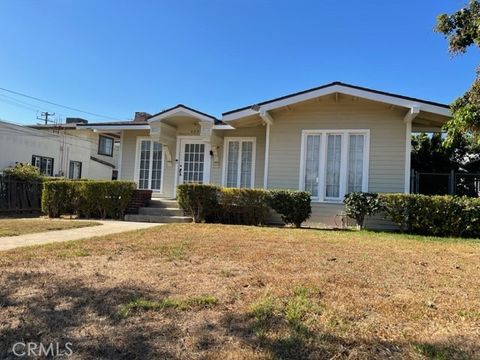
(149, 173)
(194, 162)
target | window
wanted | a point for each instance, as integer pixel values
(105, 145)
(45, 164)
(75, 170)
(334, 163)
(150, 165)
(239, 162)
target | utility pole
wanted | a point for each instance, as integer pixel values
(44, 117)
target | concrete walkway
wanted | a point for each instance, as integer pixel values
(108, 227)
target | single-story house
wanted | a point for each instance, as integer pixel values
(328, 140)
(59, 150)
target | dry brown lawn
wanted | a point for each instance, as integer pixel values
(14, 227)
(196, 291)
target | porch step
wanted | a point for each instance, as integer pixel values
(158, 218)
(161, 211)
(163, 203)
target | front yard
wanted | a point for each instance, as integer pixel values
(15, 227)
(217, 292)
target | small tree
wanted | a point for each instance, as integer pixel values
(23, 172)
(294, 206)
(360, 205)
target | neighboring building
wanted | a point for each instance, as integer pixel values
(104, 147)
(57, 151)
(329, 141)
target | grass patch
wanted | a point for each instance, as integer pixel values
(15, 227)
(204, 301)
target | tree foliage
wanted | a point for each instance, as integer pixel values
(462, 30)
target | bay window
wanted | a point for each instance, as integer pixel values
(239, 162)
(334, 163)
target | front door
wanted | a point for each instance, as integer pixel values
(194, 162)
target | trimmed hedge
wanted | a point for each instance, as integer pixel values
(434, 215)
(91, 199)
(293, 206)
(199, 201)
(242, 206)
(359, 205)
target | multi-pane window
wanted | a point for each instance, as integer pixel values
(239, 162)
(193, 163)
(105, 145)
(150, 165)
(334, 163)
(45, 164)
(75, 170)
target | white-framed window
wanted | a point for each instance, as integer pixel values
(44, 163)
(239, 162)
(75, 170)
(105, 145)
(334, 163)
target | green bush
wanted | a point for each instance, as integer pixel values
(434, 215)
(24, 172)
(93, 199)
(360, 205)
(293, 206)
(198, 201)
(243, 206)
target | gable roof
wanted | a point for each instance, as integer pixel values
(182, 108)
(339, 87)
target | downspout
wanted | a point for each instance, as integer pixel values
(268, 121)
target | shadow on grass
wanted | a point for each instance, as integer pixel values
(55, 311)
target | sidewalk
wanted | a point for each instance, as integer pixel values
(108, 227)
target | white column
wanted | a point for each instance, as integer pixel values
(120, 155)
(408, 153)
(267, 154)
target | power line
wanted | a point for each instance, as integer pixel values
(44, 117)
(57, 104)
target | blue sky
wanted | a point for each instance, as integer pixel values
(118, 57)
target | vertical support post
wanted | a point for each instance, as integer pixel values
(267, 154)
(408, 153)
(120, 155)
(451, 183)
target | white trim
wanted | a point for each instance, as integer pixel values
(240, 139)
(120, 156)
(370, 95)
(223, 127)
(408, 154)
(180, 111)
(345, 133)
(267, 156)
(136, 175)
(115, 127)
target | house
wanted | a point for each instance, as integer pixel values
(104, 147)
(328, 140)
(57, 150)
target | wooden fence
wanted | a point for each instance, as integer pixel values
(19, 196)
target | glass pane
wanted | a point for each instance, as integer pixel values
(232, 163)
(332, 179)
(193, 159)
(144, 175)
(312, 160)
(355, 163)
(157, 166)
(246, 164)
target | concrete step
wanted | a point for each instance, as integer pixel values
(158, 218)
(163, 203)
(161, 211)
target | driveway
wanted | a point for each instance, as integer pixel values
(107, 227)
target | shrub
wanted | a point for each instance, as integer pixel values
(293, 206)
(361, 204)
(243, 206)
(434, 215)
(91, 198)
(24, 172)
(199, 201)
